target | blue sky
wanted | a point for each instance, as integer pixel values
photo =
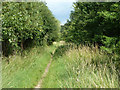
(60, 8)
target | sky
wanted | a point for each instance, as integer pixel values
(61, 9)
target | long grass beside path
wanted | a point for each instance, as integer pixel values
(25, 71)
(83, 67)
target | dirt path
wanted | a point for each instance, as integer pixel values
(45, 73)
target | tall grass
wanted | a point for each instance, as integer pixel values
(90, 67)
(25, 71)
(83, 67)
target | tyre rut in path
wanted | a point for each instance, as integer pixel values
(45, 73)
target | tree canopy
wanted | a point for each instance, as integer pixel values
(25, 23)
(95, 22)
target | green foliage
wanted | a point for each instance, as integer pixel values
(90, 22)
(27, 21)
(118, 47)
(109, 44)
(60, 50)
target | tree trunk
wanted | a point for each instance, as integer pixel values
(21, 47)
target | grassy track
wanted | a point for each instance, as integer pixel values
(56, 72)
(25, 72)
(82, 67)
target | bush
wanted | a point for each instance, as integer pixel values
(60, 51)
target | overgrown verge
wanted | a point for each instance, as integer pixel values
(83, 67)
(25, 71)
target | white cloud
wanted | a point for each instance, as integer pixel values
(60, 8)
(62, 23)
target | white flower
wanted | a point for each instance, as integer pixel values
(78, 80)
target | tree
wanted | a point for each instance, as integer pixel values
(91, 21)
(26, 24)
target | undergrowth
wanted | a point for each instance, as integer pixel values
(83, 67)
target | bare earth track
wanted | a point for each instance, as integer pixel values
(45, 73)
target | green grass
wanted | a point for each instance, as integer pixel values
(25, 71)
(55, 73)
(82, 68)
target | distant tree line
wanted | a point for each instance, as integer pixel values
(25, 24)
(94, 23)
